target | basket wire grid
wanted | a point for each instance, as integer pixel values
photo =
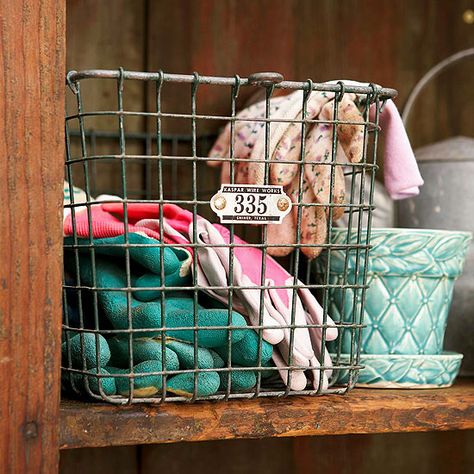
(162, 164)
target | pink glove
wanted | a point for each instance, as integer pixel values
(298, 381)
(144, 218)
(277, 301)
(214, 265)
(103, 223)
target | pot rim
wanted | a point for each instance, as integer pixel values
(444, 354)
(399, 230)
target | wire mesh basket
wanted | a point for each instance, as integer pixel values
(163, 303)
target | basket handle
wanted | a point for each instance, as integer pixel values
(431, 74)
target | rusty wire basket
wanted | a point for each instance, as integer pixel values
(127, 336)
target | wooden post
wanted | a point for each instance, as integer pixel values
(32, 66)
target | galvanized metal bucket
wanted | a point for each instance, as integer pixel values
(446, 201)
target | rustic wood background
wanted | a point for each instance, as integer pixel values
(390, 43)
(414, 453)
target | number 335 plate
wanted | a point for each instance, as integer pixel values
(245, 203)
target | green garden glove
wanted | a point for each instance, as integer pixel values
(146, 312)
(178, 355)
(145, 383)
(143, 251)
(73, 382)
(179, 308)
(240, 380)
(147, 348)
(245, 351)
(208, 358)
(185, 352)
(143, 349)
(83, 350)
(183, 384)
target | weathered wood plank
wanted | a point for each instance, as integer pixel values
(363, 411)
(118, 460)
(393, 453)
(105, 35)
(411, 453)
(32, 65)
(390, 43)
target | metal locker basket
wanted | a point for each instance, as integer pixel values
(157, 165)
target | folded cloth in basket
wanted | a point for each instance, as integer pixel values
(213, 270)
(74, 198)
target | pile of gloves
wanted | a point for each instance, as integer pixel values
(158, 326)
(107, 270)
(154, 355)
(402, 177)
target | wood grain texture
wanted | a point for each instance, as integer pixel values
(32, 60)
(393, 453)
(390, 43)
(119, 460)
(105, 36)
(363, 411)
(411, 453)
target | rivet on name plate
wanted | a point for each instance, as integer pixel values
(220, 202)
(283, 204)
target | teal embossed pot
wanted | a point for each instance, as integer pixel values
(410, 274)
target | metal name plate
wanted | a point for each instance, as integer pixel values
(253, 204)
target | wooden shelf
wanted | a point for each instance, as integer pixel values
(362, 411)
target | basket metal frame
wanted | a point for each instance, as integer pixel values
(154, 143)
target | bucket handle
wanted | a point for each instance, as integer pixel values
(431, 74)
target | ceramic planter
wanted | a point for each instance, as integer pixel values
(410, 278)
(410, 274)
